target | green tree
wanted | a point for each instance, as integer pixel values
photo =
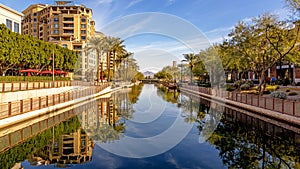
(191, 59)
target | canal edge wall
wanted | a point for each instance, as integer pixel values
(4, 123)
(261, 111)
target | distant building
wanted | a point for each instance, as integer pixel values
(63, 23)
(11, 18)
(149, 74)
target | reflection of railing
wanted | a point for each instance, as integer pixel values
(19, 136)
(26, 105)
(288, 107)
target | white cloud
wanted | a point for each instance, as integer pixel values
(132, 3)
(170, 2)
(103, 2)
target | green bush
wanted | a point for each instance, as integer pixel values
(278, 94)
(229, 88)
(229, 81)
(245, 86)
(293, 93)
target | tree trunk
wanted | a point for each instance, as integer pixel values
(262, 82)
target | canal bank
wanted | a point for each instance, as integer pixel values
(223, 98)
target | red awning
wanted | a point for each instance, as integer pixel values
(60, 72)
(46, 72)
(28, 70)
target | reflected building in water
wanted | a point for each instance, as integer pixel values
(74, 148)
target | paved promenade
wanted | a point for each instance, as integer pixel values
(265, 112)
(21, 95)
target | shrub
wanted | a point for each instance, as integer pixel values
(229, 88)
(245, 86)
(229, 81)
(250, 83)
(293, 93)
(278, 94)
(287, 90)
(237, 83)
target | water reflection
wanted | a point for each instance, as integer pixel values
(66, 140)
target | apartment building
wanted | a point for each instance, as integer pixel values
(11, 18)
(63, 23)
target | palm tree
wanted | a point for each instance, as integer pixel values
(96, 43)
(191, 59)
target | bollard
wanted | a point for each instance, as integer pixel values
(47, 101)
(40, 102)
(9, 109)
(31, 103)
(21, 106)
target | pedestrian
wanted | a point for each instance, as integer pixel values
(273, 80)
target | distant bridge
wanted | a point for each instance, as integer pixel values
(150, 81)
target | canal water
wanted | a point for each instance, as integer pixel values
(150, 127)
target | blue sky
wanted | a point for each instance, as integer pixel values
(214, 18)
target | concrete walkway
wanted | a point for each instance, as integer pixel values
(20, 95)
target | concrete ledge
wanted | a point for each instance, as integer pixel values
(265, 112)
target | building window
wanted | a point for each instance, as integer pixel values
(56, 25)
(64, 45)
(55, 19)
(83, 25)
(83, 37)
(83, 20)
(34, 19)
(16, 27)
(9, 24)
(83, 31)
(34, 14)
(55, 31)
